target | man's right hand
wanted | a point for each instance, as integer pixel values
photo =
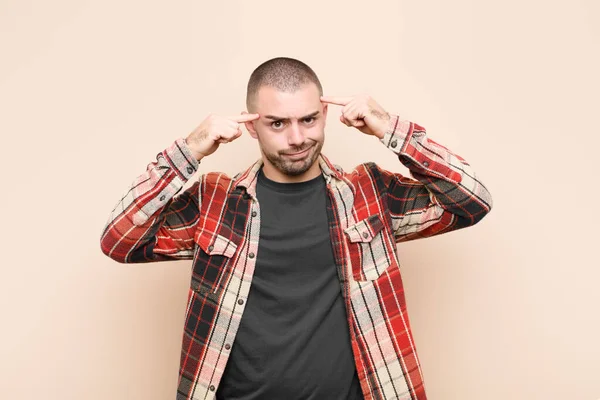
(213, 131)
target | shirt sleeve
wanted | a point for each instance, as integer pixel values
(152, 222)
(444, 193)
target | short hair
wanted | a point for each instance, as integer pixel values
(282, 73)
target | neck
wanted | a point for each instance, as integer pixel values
(276, 175)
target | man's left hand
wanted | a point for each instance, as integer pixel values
(363, 113)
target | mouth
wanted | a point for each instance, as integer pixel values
(299, 154)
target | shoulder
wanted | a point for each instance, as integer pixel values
(362, 171)
(219, 181)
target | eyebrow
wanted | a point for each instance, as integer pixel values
(274, 118)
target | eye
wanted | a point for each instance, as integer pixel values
(277, 124)
(309, 120)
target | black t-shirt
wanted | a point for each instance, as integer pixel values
(293, 341)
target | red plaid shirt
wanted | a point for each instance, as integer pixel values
(216, 223)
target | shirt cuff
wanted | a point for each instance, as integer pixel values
(180, 158)
(397, 134)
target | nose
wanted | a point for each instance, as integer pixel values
(295, 135)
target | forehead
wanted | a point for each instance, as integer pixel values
(288, 104)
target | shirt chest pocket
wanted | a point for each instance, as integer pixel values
(213, 261)
(369, 247)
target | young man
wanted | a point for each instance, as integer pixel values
(296, 290)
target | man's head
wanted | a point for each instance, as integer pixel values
(286, 94)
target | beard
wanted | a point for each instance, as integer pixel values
(292, 167)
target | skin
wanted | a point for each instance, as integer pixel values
(290, 129)
(290, 123)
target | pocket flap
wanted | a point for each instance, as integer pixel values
(215, 244)
(365, 230)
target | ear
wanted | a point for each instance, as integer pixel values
(250, 127)
(324, 114)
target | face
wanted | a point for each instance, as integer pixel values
(290, 132)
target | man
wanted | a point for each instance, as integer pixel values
(295, 290)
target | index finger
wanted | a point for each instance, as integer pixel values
(244, 118)
(340, 101)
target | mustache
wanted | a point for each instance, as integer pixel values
(298, 150)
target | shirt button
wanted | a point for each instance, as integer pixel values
(162, 198)
(251, 255)
(211, 248)
(190, 170)
(425, 164)
(394, 143)
(240, 301)
(212, 388)
(227, 346)
(365, 235)
(254, 213)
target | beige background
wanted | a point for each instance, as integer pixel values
(91, 91)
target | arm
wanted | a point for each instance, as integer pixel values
(445, 193)
(150, 223)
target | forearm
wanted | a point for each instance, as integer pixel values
(130, 232)
(456, 196)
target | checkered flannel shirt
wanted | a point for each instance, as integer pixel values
(216, 224)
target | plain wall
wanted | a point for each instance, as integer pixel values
(91, 91)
